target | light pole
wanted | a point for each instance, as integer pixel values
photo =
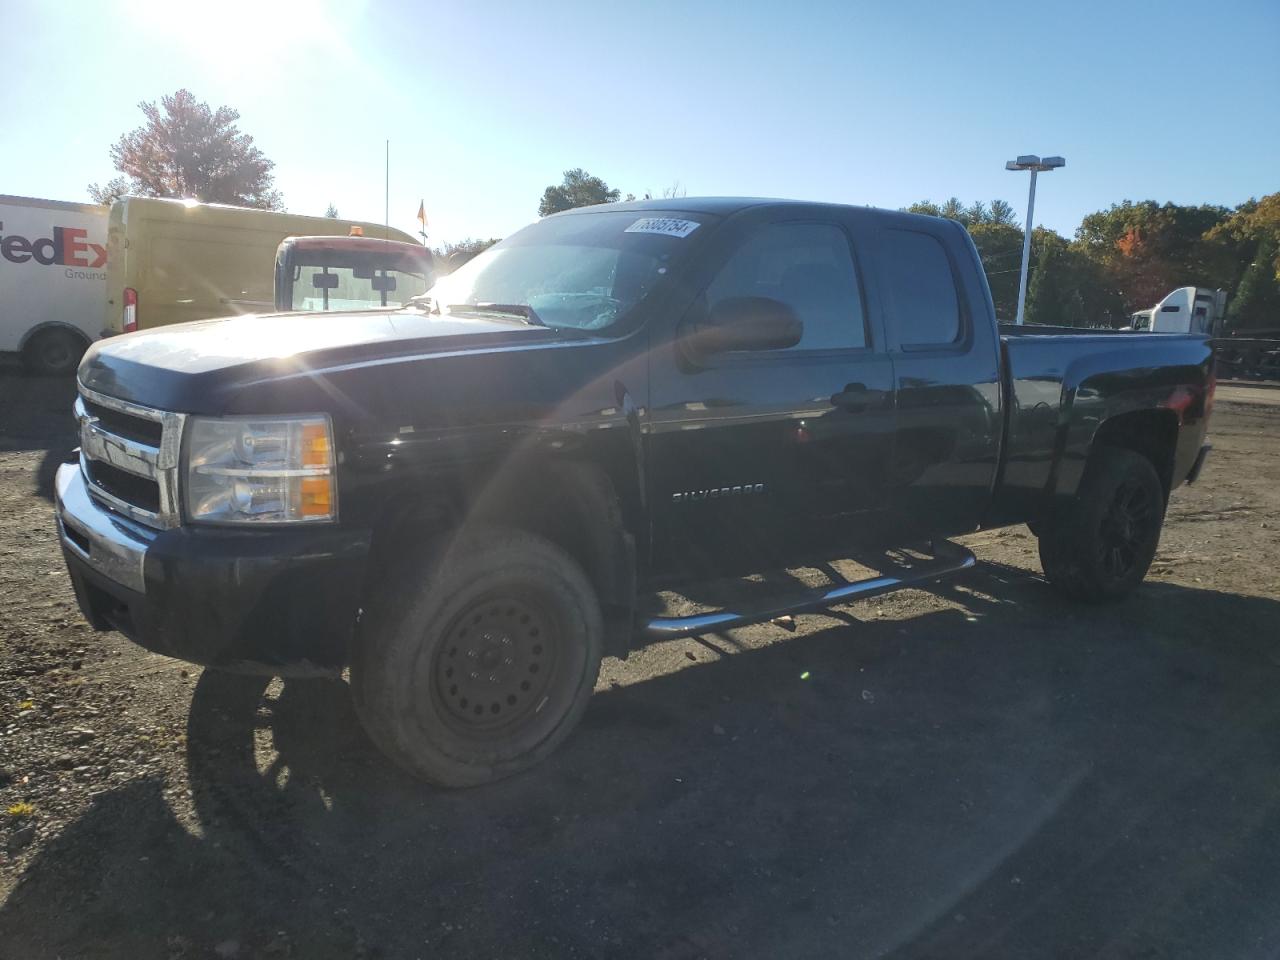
(1035, 165)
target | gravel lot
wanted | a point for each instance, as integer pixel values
(979, 770)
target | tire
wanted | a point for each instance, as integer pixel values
(54, 353)
(1103, 546)
(477, 658)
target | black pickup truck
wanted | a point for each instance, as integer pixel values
(465, 501)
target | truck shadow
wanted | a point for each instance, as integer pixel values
(1006, 776)
(35, 415)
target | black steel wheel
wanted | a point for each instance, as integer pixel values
(477, 658)
(497, 664)
(1102, 545)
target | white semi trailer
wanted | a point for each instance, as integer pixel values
(53, 280)
(1184, 310)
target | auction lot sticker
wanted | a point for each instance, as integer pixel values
(663, 225)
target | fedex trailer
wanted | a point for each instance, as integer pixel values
(53, 280)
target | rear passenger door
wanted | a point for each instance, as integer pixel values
(946, 369)
(759, 457)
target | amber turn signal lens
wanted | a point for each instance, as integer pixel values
(315, 446)
(317, 496)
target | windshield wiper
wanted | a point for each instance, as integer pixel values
(521, 310)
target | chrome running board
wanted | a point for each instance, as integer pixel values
(949, 560)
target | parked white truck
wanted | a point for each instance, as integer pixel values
(1184, 310)
(53, 280)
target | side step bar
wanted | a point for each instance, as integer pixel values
(950, 559)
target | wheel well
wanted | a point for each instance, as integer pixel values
(570, 503)
(1151, 433)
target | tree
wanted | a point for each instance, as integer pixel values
(953, 209)
(1000, 247)
(578, 189)
(975, 213)
(1148, 249)
(186, 149)
(1127, 257)
(1066, 288)
(450, 256)
(331, 212)
(1257, 300)
(1049, 286)
(1001, 212)
(674, 192)
(109, 192)
(1251, 222)
(1249, 242)
(925, 207)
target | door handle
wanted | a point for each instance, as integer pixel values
(855, 397)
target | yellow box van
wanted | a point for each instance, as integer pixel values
(169, 261)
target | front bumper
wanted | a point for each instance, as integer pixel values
(279, 601)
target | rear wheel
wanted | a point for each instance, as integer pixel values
(476, 660)
(55, 352)
(1104, 544)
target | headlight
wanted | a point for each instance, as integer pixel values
(259, 471)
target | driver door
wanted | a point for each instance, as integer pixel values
(759, 458)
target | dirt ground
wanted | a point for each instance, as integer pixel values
(979, 770)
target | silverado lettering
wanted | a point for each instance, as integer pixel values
(715, 493)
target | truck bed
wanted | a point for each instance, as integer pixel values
(1060, 383)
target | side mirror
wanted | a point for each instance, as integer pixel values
(747, 323)
(324, 281)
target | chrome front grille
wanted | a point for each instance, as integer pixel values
(129, 456)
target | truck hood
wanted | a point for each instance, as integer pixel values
(181, 367)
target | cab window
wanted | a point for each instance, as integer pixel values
(921, 289)
(810, 268)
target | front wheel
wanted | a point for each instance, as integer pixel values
(476, 659)
(1103, 545)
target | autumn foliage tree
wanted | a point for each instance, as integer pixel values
(1128, 257)
(1148, 249)
(188, 149)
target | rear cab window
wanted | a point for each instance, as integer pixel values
(920, 290)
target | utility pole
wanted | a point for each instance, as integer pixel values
(387, 208)
(1035, 165)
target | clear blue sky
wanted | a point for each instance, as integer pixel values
(486, 104)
